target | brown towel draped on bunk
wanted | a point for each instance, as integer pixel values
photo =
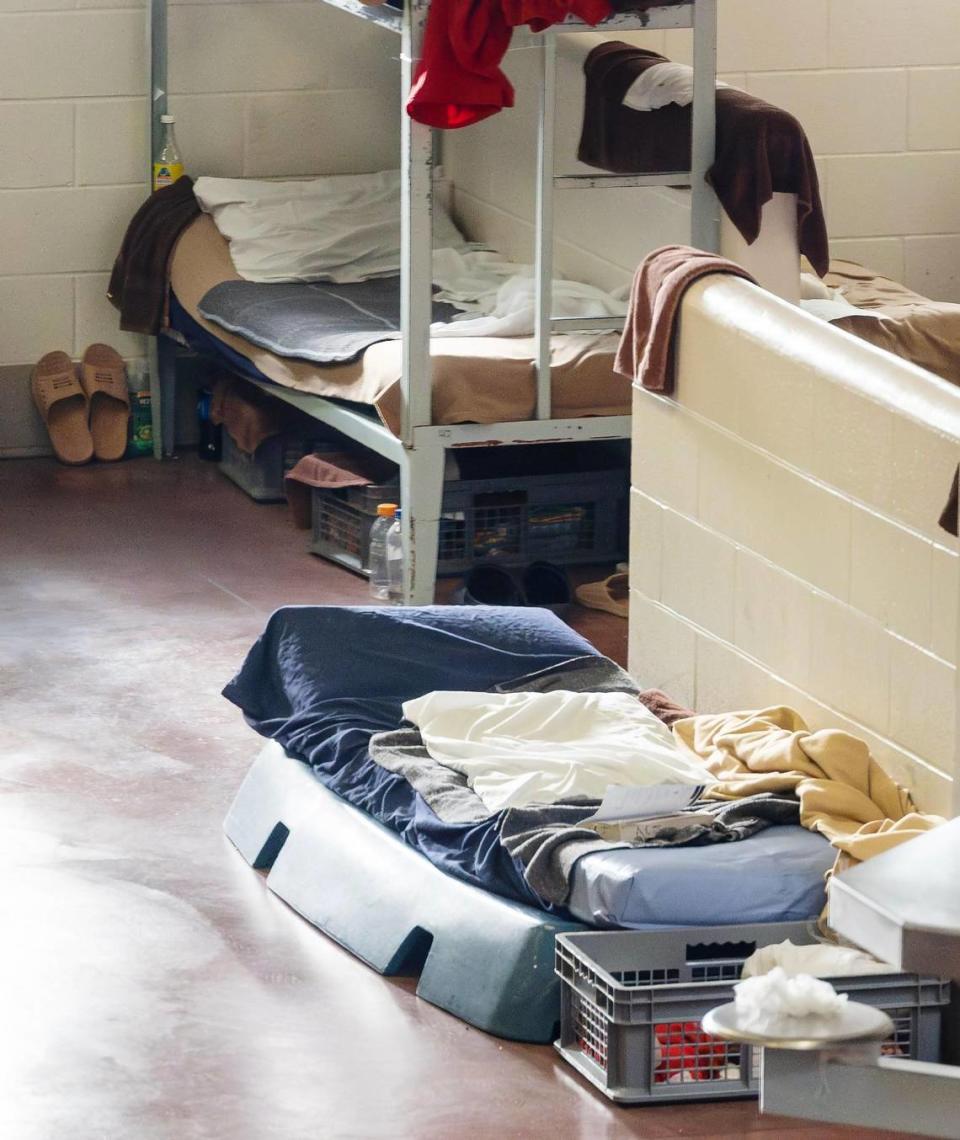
(950, 516)
(761, 150)
(138, 283)
(646, 347)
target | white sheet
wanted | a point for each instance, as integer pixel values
(499, 297)
(523, 748)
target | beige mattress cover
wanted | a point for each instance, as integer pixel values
(925, 332)
(475, 379)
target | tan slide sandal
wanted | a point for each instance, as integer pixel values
(104, 379)
(61, 402)
(612, 595)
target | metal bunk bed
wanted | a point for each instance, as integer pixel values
(419, 451)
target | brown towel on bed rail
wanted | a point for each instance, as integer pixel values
(138, 283)
(761, 150)
(646, 347)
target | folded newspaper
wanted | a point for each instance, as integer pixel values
(636, 814)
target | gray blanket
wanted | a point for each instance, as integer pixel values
(546, 838)
(316, 321)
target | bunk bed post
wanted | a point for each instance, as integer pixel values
(161, 375)
(955, 797)
(543, 253)
(421, 493)
(705, 216)
(421, 507)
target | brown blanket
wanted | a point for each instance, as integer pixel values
(647, 346)
(761, 150)
(911, 326)
(138, 283)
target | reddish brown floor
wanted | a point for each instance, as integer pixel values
(152, 988)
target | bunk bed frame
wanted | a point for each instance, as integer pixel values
(419, 450)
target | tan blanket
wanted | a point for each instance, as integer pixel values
(844, 793)
(925, 332)
(475, 379)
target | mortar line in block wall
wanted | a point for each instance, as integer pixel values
(68, 186)
(73, 273)
(219, 93)
(886, 154)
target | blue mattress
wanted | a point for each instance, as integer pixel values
(322, 679)
(775, 876)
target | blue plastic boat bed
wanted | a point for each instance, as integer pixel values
(357, 851)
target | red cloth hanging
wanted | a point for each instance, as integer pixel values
(458, 81)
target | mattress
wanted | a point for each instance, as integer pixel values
(775, 876)
(475, 379)
(911, 326)
(322, 702)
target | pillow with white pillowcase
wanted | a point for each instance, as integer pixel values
(341, 227)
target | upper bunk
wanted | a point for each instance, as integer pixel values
(631, 15)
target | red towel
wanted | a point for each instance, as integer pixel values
(646, 347)
(459, 81)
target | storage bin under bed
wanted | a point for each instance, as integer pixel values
(631, 1004)
(567, 519)
(261, 474)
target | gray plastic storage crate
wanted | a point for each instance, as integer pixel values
(261, 474)
(566, 519)
(628, 997)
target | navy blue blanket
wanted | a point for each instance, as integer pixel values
(321, 680)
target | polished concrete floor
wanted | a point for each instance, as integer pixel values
(150, 987)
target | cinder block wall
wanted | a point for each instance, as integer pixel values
(876, 83)
(259, 88)
(784, 537)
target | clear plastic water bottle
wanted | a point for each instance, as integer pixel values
(379, 579)
(168, 165)
(395, 559)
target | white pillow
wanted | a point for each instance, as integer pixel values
(343, 227)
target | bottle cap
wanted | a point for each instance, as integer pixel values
(386, 510)
(168, 119)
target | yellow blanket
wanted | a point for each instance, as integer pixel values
(844, 793)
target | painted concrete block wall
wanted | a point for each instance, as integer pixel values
(794, 555)
(259, 87)
(875, 83)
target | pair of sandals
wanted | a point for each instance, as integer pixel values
(85, 410)
(540, 584)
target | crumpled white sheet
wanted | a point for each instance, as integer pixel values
(763, 999)
(499, 299)
(821, 959)
(521, 748)
(661, 84)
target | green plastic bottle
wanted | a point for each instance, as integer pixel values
(140, 424)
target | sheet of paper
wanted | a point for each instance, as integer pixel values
(621, 802)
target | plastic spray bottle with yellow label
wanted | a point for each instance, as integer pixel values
(168, 165)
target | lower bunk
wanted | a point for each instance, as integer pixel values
(360, 838)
